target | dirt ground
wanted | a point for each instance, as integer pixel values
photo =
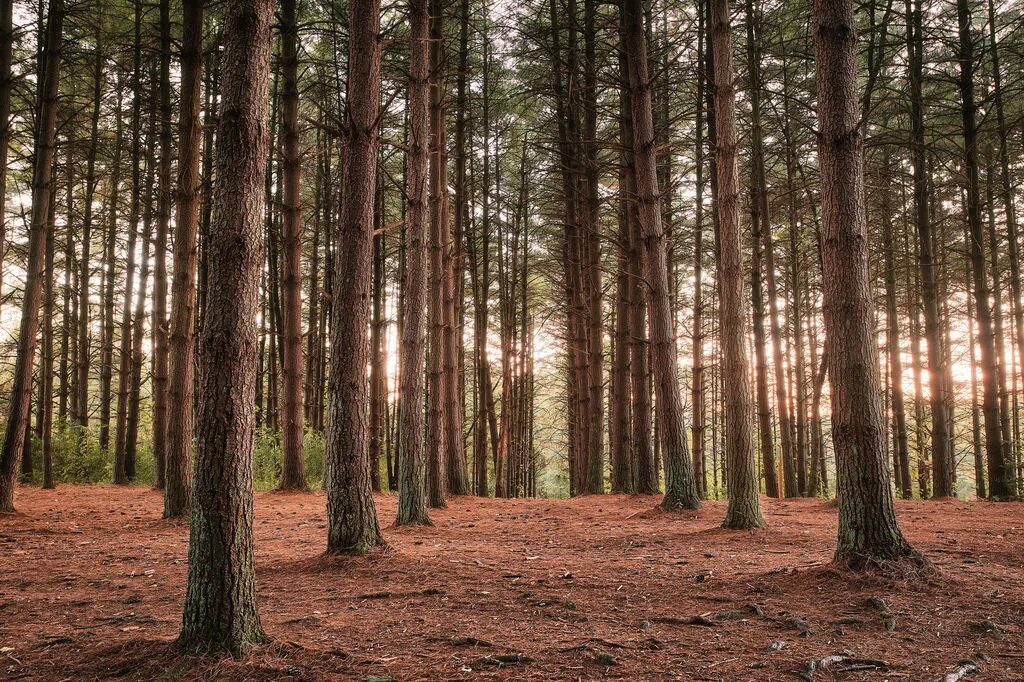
(92, 581)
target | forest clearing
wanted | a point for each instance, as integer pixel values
(594, 587)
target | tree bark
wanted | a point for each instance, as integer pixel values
(680, 487)
(412, 493)
(220, 601)
(744, 506)
(293, 473)
(42, 174)
(181, 345)
(869, 533)
(351, 513)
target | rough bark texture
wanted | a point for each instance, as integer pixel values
(42, 172)
(744, 506)
(437, 436)
(868, 530)
(352, 526)
(412, 494)
(181, 345)
(220, 601)
(680, 488)
(293, 473)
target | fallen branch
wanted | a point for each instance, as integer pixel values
(962, 670)
(841, 663)
(502, 660)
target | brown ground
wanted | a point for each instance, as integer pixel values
(91, 585)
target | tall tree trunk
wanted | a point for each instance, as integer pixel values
(6, 86)
(620, 422)
(181, 344)
(1000, 473)
(125, 365)
(1007, 197)
(901, 455)
(220, 600)
(85, 255)
(458, 481)
(163, 222)
(42, 174)
(943, 486)
(436, 418)
(351, 512)
(293, 472)
(110, 275)
(697, 348)
(868, 531)
(744, 506)
(412, 493)
(680, 487)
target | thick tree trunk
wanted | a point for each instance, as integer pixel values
(6, 86)
(412, 493)
(220, 600)
(868, 531)
(744, 506)
(351, 513)
(680, 488)
(42, 173)
(181, 344)
(293, 473)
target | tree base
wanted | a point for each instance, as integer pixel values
(903, 564)
(203, 643)
(673, 503)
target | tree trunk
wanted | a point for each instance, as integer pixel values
(42, 173)
(943, 486)
(110, 275)
(220, 600)
(412, 494)
(680, 487)
(163, 221)
(181, 345)
(868, 531)
(1000, 473)
(744, 506)
(293, 473)
(352, 515)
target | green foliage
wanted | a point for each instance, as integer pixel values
(268, 457)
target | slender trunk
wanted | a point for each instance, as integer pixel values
(181, 345)
(163, 222)
(110, 275)
(293, 472)
(744, 507)
(1000, 473)
(42, 174)
(412, 493)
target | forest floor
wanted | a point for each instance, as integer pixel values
(92, 582)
